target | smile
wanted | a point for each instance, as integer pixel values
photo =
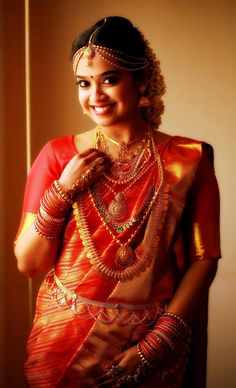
(100, 110)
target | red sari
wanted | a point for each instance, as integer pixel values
(85, 315)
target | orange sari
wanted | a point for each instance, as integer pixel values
(86, 311)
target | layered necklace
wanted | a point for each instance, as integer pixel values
(124, 154)
(114, 214)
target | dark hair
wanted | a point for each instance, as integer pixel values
(116, 33)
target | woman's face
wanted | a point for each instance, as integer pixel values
(108, 95)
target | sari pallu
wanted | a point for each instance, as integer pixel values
(61, 337)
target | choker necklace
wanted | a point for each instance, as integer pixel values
(122, 143)
(124, 154)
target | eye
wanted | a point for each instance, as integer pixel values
(82, 83)
(111, 80)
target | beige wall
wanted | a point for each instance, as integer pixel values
(195, 41)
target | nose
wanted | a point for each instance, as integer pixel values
(96, 94)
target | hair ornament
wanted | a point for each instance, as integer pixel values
(115, 58)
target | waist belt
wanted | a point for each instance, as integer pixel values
(122, 313)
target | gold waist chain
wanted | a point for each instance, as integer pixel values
(121, 313)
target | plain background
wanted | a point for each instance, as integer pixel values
(195, 42)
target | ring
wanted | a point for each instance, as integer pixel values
(93, 167)
(125, 379)
(116, 370)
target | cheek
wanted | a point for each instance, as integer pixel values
(81, 97)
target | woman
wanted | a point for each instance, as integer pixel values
(126, 221)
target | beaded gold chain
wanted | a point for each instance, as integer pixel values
(129, 263)
(119, 177)
(117, 208)
(104, 213)
(124, 156)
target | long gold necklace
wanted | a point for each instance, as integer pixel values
(118, 208)
(125, 257)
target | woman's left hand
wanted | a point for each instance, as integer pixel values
(120, 372)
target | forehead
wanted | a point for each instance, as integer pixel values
(96, 66)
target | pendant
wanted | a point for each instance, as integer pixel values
(118, 207)
(124, 154)
(124, 256)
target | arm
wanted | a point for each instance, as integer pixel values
(192, 288)
(34, 252)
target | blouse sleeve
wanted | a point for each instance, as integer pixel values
(201, 229)
(44, 171)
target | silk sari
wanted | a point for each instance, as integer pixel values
(85, 316)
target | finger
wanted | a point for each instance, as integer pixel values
(100, 161)
(108, 382)
(119, 357)
(89, 152)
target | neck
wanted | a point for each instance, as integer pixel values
(125, 133)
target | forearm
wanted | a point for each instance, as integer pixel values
(35, 254)
(192, 288)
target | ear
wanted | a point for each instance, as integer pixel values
(142, 88)
(140, 80)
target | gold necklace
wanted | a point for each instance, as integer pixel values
(124, 155)
(125, 257)
(117, 207)
(143, 257)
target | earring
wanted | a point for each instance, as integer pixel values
(143, 101)
(84, 112)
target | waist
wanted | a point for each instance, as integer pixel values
(106, 312)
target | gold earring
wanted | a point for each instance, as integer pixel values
(84, 112)
(143, 101)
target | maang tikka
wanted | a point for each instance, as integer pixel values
(114, 57)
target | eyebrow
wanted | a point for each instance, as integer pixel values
(111, 72)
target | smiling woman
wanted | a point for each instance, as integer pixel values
(126, 220)
(108, 96)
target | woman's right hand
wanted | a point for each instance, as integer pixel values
(91, 159)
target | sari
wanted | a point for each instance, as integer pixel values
(87, 311)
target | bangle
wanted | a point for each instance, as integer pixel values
(176, 317)
(142, 357)
(54, 207)
(160, 342)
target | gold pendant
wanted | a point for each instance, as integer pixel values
(118, 207)
(124, 154)
(124, 256)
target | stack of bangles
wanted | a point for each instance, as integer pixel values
(56, 203)
(160, 342)
(53, 209)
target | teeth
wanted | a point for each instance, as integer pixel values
(101, 109)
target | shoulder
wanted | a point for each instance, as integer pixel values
(56, 153)
(63, 143)
(183, 149)
(182, 157)
(62, 148)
